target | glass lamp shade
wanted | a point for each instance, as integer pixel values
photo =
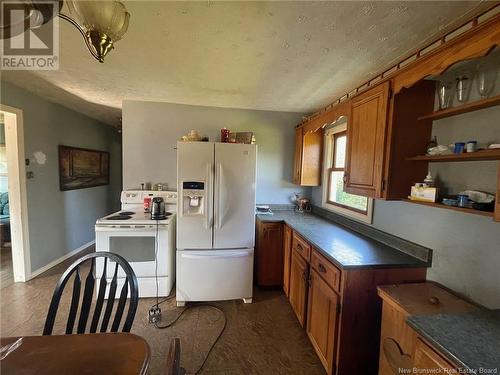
(104, 22)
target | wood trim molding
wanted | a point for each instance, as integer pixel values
(329, 117)
(405, 72)
(476, 42)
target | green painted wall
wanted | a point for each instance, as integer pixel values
(60, 222)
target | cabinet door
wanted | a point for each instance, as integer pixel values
(270, 254)
(297, 161)
(308, 157)
(287, 252)
(298, 286)
(428, 359)
(312, 150)
(366, 131)
(322, 314)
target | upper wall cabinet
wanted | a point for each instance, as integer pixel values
(383, 130)
(366, 132)
(308, 157)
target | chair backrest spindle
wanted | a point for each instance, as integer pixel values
(88, 294)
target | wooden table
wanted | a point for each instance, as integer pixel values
(99, 353)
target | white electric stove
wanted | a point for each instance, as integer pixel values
(148, 245)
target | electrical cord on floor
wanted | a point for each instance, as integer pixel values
(189, 307)
(156, 260)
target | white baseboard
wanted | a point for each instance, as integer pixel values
(61, 259)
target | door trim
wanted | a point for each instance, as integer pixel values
(18, 203)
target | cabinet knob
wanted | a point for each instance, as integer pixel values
(321, 268)
(434, 300)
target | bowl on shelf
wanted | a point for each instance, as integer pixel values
(450, 202)
(488, 207)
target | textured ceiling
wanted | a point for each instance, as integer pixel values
(280, 56)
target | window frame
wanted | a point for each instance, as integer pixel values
(338, 129)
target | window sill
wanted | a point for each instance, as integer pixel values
(351, 214)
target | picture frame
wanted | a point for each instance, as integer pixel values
(81, 168)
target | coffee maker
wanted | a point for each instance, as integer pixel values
(158, 209)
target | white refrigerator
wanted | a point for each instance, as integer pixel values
(215, 221)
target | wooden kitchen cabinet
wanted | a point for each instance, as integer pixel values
(398, 341)
(428, 359)
(382, 132)
(299, 274)
(301, 247)
(322, 319)
(287, 253)
(308, 157)
(366, 131)
(269, 254)
(339, 308)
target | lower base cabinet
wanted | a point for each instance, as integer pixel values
(322, 319)
(269, 254)
(287, 253)
(430, 361)
(299, 274)
(401, 348)
(339, 308)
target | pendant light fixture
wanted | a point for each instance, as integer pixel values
(101, 23)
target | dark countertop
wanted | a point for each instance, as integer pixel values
(344, 247)
(471, 341)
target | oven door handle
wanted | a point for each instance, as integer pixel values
(128, 228)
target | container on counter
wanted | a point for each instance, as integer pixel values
(459, 147)
(471, 146)
(224, 135)
(463, 200)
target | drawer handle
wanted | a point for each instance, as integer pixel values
(434, 300)
(321, 268)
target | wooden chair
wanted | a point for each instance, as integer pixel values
(130, 283)
(173, 365)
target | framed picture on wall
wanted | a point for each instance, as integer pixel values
(81, 168)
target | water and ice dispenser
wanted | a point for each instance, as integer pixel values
(193, 198)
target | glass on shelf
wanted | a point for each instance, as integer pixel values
(486, 77)
(463, 85)
(445, 93)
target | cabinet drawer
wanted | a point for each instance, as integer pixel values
(428, 359)
(301, 246)
(326, 270)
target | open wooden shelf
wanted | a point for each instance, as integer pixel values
(464, 108)
(482, 155)
(460, 209)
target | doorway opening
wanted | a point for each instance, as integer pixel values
(14, 244)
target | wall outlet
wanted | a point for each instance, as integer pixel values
(154, 315)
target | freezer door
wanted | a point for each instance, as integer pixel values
(195, 165)
(214, 275)
(234, 195)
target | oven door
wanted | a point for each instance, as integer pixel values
(139, 245)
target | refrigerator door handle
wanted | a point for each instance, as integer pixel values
(219, 196)
(208, 213)
(223, 255)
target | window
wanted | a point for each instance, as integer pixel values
(334, 196)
